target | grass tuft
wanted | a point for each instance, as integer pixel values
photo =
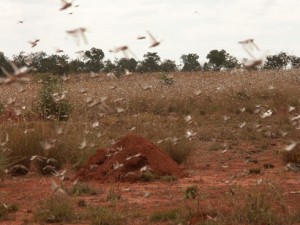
(55, 210)
(103, 216)
(171, 215)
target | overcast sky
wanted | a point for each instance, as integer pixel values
(218, 24)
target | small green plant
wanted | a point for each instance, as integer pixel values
(82, 188)
(103, 216)
(174, 215)
(53, 100)
(55, 210)
(191, 192)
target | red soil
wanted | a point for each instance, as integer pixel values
(124, 160)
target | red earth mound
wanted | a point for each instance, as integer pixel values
(129, 160)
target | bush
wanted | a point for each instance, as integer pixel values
(53, 100)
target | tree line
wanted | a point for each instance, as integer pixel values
(93, 60)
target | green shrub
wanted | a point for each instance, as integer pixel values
(53, 101)
(191, 192)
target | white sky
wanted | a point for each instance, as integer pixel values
(219, 24)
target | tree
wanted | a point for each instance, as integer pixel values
(279, 61)
(4, 63)
(94, 58)
(76, 66)
(150, 63)
(126, 64)
(38, 61)
(231, 62)
(58, 64)
(190, 62)
(168, 66)
(109, 66)
(208, 67)
(295, 62)
(221, 59)
(20, 59)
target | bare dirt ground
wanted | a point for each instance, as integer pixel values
(216, 174)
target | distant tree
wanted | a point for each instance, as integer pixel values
(217, 58)
(190, 62)
(231, 62)
(208, 67)
(168, 66)
(221, 59)
(150, 63)
(279, 61)
(76, 66)
(295, 62)
(4, 63)
(38, 61)
(126, 64)
(109, 66)
(19, 59)
(94, 58)
(58, 64)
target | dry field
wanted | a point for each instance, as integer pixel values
(227, 130)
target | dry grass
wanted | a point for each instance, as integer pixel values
(223, 107)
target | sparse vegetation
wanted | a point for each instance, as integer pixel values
(101, 215)
(55, 210)
(53, 99)
(6, 209)
(172, 215)
(82, 188)
(198, 115)
(114, 194)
